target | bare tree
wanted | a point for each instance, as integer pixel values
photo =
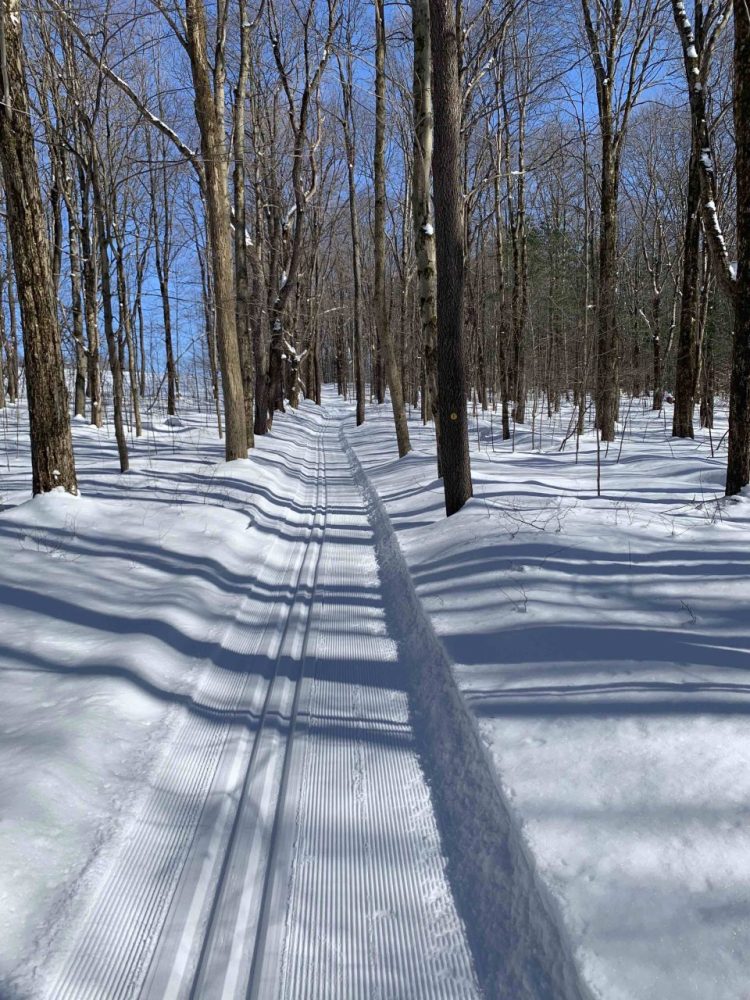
(738, 461)
(299, 109)
(51, 443)
(424, 230)
(241, 234)
(698, 43)
(211, 165)
(449, 235)
(208, 84)
(384, 333)
(346, 77)
(161, 226)
(620, 40)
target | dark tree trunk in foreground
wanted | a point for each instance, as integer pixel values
(424, 235)
(607, 360)
(687, 356)
(738, 463)
(51, 444)
(449, 229)
(697, 52)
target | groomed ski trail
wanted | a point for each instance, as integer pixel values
(288, 848)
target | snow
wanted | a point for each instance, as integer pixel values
(109, 604)
(162, 807)
(575, 670)
(602, 646)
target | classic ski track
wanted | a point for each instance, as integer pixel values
(229, 943)
(367, 911)
(301, 858)
(112, 947)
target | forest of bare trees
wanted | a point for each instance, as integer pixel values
(249, 198)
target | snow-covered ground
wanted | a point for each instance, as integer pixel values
(110, 603)
(210, 782)
(602, 645)
(196, 651)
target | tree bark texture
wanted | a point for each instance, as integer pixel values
(241, 270)
(424, 232)
(385, 334)
(115, 364)
(76, 301)
(449, 232)
(607, 365)
(213, 151)
(51, 442)
(738, 461)
(350, 148)
(90, 303)
(685, 376)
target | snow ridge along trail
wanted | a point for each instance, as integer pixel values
(288, 848)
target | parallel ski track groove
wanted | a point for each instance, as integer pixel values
(105, 963)
(324, 879)
(362, 920)
(201, 985)
(254, 984)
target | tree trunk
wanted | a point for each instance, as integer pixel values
(138, 315)
(658, 394)
(242, 281)
(449, 228)
(385, 334)
(77, 312)
(127, 330)
(213, 151)
(738, 462)
(208, 319)
(3, 347)
(51, 443)
(707, 385)
(685, 375)
(162, 252)
(12, 353)
(118, 396)
(607, 389)
(350, 148)
(424, 232)
(90, 304)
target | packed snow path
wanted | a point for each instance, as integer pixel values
(288, 848)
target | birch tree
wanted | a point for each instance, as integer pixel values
(698, 43)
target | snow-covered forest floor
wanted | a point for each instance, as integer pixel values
(603, 647)
(602, 644)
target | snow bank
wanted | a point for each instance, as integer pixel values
(112, 605)
(519, 945)
(602, 647)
